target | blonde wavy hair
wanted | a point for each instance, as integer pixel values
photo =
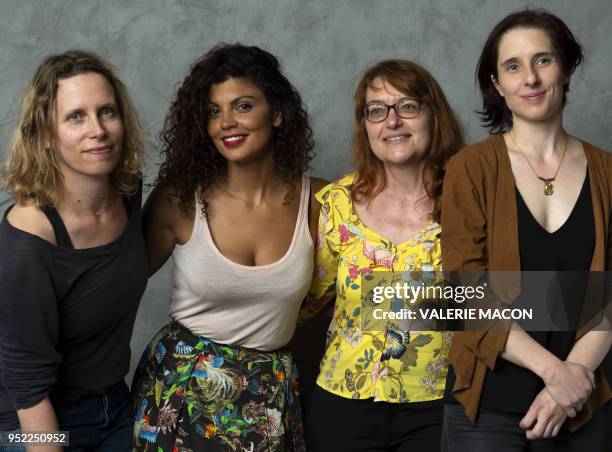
(31, 174)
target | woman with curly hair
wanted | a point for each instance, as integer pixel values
(380, 385)
(233, 207)
(73, 262)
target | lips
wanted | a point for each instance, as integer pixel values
(99, 150)
(397, 138)
(231, 141)
(533, 97)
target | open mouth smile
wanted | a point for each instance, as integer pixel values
(397, 138)
(231, 141)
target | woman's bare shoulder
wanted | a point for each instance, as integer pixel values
(31, 219)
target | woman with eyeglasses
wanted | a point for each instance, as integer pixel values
(380, 388)
(529, 198)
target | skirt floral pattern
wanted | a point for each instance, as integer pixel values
(192, 394)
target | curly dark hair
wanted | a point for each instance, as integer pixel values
(192, 163)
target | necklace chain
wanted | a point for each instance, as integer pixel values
(548, 186)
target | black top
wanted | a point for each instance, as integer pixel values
(511, 388)
(66, 315)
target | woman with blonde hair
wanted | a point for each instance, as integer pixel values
(380, 388)
(73, 264)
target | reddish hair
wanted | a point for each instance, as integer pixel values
(446, 135)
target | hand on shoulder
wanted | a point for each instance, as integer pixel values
(32, 220)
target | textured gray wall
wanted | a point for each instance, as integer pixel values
(323, 44)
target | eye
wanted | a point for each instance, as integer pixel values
(409, 106)
(108, 112)
(512, 67)
(75, 116)
(213, 112)
(542, 61)
(374, 110)
(244, 107)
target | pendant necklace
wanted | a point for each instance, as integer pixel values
(548, 186)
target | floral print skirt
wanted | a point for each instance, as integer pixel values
(192, 394)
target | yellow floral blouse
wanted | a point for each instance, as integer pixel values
(390, 364)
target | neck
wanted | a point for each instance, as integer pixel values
(254, 182)
(405, 179)
(539, 139)
(88, 197)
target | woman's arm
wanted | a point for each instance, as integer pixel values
(29, 320)
(323, 286)
(162, 219)
(569, 383)
(591, 349)
(39, 418)
(464, 235)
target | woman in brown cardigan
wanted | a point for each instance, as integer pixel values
(530, 197)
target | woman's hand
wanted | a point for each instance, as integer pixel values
(544, 417)
(570, 385)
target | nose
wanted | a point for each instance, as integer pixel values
(227, 120)
(97, 128)
(393, 120)
(531, 75)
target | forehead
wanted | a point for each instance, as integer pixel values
(233, 88)
(83, 89)
(523, 41)
(382, 90)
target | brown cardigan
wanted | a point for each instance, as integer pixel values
(480, 232)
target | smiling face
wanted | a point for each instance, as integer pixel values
(88, 128)
(530, 76)
(397, 140)
(240, 121)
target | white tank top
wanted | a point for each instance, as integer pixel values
(230, 303)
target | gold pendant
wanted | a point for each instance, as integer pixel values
(548, 186)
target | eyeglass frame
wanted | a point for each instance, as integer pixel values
(392, 106)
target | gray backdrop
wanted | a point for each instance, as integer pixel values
(323, 45)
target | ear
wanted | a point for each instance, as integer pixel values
(496, 85)
(277, 119)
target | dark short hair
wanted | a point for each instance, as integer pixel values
(192, 163)
(495, 113)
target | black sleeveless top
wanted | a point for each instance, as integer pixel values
(512, 388)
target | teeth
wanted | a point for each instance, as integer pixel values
(232, 139)
(396, 138)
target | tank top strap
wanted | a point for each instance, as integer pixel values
(59, 228)
(304, 213)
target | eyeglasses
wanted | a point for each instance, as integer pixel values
(404, 108)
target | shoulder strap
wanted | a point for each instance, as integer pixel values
(309, 203)
(59, 228)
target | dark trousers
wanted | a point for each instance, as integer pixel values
(500, 432)
(338, 424)
(98, 422)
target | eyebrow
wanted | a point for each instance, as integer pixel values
(237, 100)
(537, 55)
(378, 101)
